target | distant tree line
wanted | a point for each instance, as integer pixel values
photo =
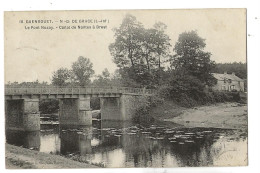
(239, 68)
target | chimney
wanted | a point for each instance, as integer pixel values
(233, 74)
(225, 72)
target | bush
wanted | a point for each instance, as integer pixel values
(48, 106)
(142, 113)
(164, 91)
(142, 116)
(95, 103)
(188, 91)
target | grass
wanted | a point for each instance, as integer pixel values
(22, 158)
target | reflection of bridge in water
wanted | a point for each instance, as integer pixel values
(117, 103)
(102, 145)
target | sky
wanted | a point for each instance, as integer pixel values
(32, 54)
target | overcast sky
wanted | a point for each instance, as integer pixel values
(34, 54)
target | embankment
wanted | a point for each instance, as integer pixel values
(220, 115)
(21, 158)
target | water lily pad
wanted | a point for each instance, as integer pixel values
(171, 138)
(189, 141)
(160, 138)
(131, 133)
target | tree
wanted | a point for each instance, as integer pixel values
(162, 46)
(162, 43)
(105, 74)
(82, 70)
(191, 59)
(125, 50)
(103, 79)
(138, 51)
(239, 69)
(61, 77)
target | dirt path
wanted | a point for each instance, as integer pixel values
(223, 115)
(21, 158)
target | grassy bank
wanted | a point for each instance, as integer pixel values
(228, 115)
(220, 115)
(194, 107)
(21, 158)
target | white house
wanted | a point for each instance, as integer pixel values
(228, 82)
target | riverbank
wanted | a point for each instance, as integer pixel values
(221, 115)
(21, 158)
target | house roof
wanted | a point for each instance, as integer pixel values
(219, 76)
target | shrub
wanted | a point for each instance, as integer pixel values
(95, 103)
(142, 113)
(48, 106)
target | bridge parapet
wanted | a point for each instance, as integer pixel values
(76, 90)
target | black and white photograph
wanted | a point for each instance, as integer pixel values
(125, 88)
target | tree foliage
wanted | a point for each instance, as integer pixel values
(103, 79)
(191, 59)
(35, 83)
(238, 68)
(61, 77)
(82, 69)
(138, 52)
(125, 50)
(80, 73)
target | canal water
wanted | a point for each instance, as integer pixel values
(116, 144)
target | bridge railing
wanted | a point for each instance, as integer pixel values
(76, 90)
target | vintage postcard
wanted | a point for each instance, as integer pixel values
(125, 88)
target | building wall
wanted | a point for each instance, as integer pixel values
(227, 86)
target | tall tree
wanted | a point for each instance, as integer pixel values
(61, 77)
(82, 70)
(138, 51)
(162, 43)
(191, 59)
(125, 50)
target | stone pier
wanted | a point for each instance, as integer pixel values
(121, 108)
(110, 108)
(75, 112)
(22, 114)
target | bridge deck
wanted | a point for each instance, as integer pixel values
(59, 92)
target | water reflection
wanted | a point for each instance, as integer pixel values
(50, 142)
(76, 141)
(25, 139)
(114, 144)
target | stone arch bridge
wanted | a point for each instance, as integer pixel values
(117, 103)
